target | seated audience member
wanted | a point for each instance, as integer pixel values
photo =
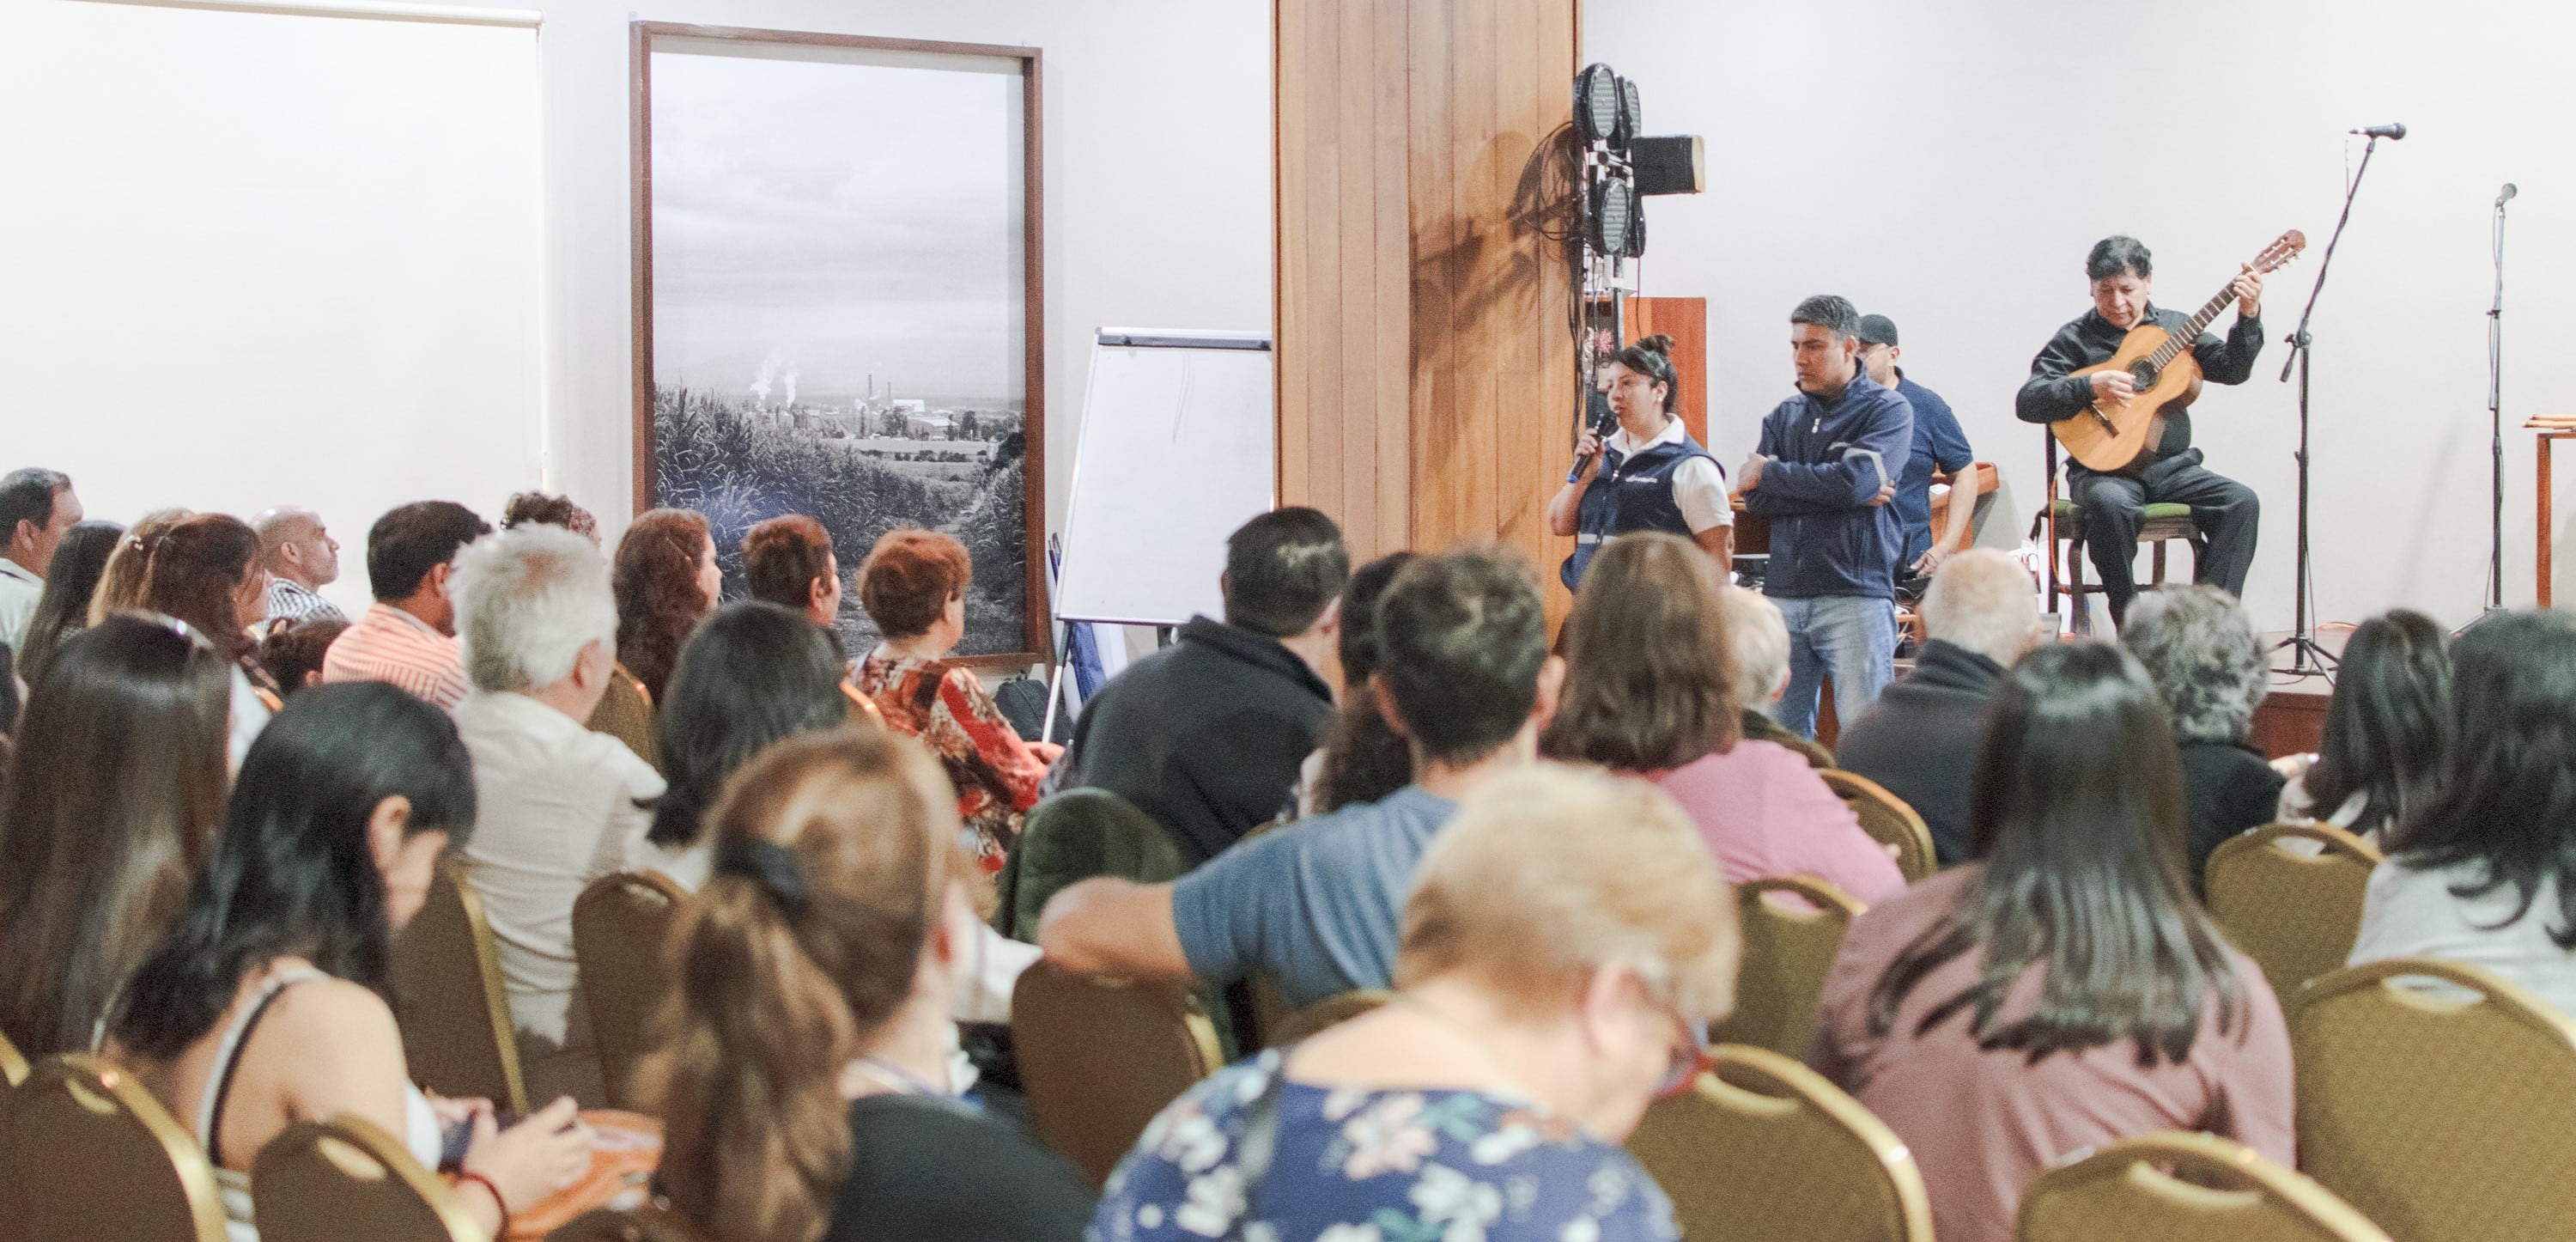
(1207, 735)
(803, 1080)
(206, 572)
(1649, 691)
(1362, 759)
(2387, 730)
(1465, 676)
(2484, 871)
(1919, 739)
(560, 805)
(1565, 948)
(666, 581)
(913, 585)
(120, 583)
(266, 1005)
(1758, 643)
(549, 510)
(36, 507)
(70, 583)
(409, 636)
(293, 651)
(2200, 648)
(302, 558)
(788, 561)
(113, 795)
(2065, 990)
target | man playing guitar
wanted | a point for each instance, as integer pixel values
(2122, 275)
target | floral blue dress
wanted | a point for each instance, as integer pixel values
(1353, 1165)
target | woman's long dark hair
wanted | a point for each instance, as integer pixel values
(753, 674)
(2079, 819)
(655, 578)
(2389, 724)
(195, 568)
(2507, 806)
(70, 579)
(1364, 760)
(1649, 683)
(111, 805)
(293, 871)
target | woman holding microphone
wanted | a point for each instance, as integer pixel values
(1650, 475)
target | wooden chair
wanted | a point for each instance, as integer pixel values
(89, 1156)
(2176, 1187)
(1787, 952)
(1764, 1147)
(1887, 820)
(2063, 520)
(324, 1181)
(2296, 912)
(449, 999)
(13, 1067)
(2443, 1120)
(643, 1224)
(1325, 1014)
(620, 924)
(1100, 1057)
(626, 713)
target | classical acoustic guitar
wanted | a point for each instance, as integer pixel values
(2110, 436)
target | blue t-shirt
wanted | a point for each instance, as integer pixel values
(1317, 905)
(1938, 442)
(1355, 1165)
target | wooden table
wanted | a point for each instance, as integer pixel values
(2544, 439)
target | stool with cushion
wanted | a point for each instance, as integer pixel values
(1764, 1147)
(1100, 1057)
(2290, 895)
(87, 1155)
(2442, 1115)
(323, 1181)
(620, 924)
(1792, 927)
(449, 999)
(2164, 524)
(2176, 1187)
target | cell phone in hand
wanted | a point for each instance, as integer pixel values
(453, 1140)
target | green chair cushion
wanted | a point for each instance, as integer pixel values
(2069, 511)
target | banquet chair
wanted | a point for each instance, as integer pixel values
(620, 925)
(87, 1155)
(324, 1181)
(1764, 1147)
(1101, 1056)
(1791, 927)
(2289, 895)
(449, 999)
(2176, 1187)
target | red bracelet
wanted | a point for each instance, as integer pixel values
(499, 1204)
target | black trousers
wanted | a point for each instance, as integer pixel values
(2115, 508)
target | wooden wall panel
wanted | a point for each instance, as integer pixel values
(1425, 375)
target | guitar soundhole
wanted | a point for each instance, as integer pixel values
(2143, 374)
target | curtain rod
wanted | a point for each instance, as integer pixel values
(387, 10)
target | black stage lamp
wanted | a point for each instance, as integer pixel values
(1596, 102)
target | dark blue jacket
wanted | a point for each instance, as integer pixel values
(1826, 538)
(1938, 443)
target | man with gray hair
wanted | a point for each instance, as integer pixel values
(302, 558)
(2200, 648)
(558, 806)
(1920, 739)
(1823, 474)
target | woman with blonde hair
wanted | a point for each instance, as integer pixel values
(803, 1078)
(120, 581)
(1567, 943)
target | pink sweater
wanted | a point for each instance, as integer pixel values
(1765, 813)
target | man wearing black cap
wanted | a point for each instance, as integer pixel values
(1938, 443)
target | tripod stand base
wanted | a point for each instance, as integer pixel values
(2308, 658)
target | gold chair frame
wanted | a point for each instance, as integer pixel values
(414, 1012)
(1757, 1086)
(622, 1030)
(102, 1090)
(1888, 820)
(2249, 874)
(13, 1066)
(359, 1151)
(1782, 1015)
(1052, 1065)
(2223, 1181)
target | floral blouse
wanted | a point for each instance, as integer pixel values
(996, 774)
(1356, 1165)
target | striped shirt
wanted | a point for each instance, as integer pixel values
(388, 644)
(295, 601)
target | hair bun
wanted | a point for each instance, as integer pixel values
(1658, 343)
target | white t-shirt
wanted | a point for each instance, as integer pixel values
(20, 591)
(1699, 487)
(2411, 913)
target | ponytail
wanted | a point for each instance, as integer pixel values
(1652, 357)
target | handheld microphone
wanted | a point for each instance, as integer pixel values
(2391, 131)
(1603, 420)
(2506, 194)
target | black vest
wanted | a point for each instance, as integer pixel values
(1631, 493)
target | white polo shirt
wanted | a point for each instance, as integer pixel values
(1699, 487)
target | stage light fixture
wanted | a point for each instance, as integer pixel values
(1613, 215)
(1597, 100)
(1631, 116)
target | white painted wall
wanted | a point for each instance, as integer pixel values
(1948, 165)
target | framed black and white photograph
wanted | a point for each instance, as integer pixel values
(838, 302)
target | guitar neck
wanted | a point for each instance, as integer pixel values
(2191, 331)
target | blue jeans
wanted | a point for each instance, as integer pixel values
(1853, 638)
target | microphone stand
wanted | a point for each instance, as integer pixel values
(2307, 658)
(2495, 424)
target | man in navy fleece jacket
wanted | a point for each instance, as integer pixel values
(1824, 474)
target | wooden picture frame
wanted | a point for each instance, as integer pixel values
(648, 39)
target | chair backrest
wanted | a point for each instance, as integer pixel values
(89, 1156)
(323, 1181)
(626, 713)
(13, 1067)
(643, 1224)
(2176, 1187)
(1792, 926)
(1329, 1012)
(2289, 895)
(620, 925)
(1073, 836)
(449, 998)
(1764, 1147)
(2441, 1119)
(1100, 1057)
(1887, 820)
